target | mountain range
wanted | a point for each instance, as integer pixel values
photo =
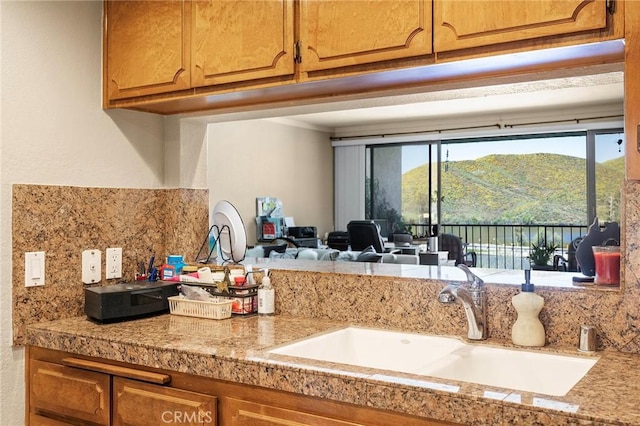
(516, 189)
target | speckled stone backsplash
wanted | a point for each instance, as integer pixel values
(63, 221)
(411, 304)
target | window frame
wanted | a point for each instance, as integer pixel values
(590, 153)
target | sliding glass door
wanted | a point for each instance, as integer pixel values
(403, 186)
(608, 174)
(498, 194)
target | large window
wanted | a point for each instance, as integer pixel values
(402, 186)
(609, 174)
(500, 191)
(538, 179)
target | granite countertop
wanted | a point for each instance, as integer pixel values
(234, 350)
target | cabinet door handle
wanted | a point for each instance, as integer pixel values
(297, 52)
(115, 370)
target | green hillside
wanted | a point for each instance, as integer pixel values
(513, 189)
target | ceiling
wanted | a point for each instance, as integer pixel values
(559, 93)
(562, 92)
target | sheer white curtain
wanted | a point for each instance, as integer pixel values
(349, 181)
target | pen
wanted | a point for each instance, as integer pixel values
(153, 256)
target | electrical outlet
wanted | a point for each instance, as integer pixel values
(91, 266)
(114, 263)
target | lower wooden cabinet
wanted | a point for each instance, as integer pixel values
(65, 389)
(36, 420)
(139, 403)
(96, 394)
(69, 393)
(241, 413)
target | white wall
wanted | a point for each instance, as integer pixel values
(185, 153)
(54, 131)
(262, 158)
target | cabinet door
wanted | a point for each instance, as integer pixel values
(470, 23)
(36, 420)
(237, 412)
(143, 404)
(241, 40)
(147, 47)
(69, 392)
(337, 33)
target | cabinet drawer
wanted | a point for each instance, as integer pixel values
(69, 392)
(144, 404)
(38, 420)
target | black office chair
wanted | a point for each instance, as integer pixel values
(453, 244)
(364, 233)
(279, 245)
(470, 258)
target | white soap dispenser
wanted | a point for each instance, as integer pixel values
(266, 296)
(527, 330)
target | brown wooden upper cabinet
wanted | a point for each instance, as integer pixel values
(342, 33)
(241, 40)
(168, 56)
(147, 47)
(460, 24)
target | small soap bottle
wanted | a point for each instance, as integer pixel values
(266, 296)
(527, 330)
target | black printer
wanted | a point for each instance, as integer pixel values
(304, 236)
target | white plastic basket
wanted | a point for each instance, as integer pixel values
(215, 309)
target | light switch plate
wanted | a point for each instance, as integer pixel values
(34, 268)
(91, 266)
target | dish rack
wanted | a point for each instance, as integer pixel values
(217, 308)
(244, 298)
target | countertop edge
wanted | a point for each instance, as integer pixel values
(383, 391)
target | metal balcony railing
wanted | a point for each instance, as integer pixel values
(507, 246)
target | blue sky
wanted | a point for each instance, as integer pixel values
(606, 149)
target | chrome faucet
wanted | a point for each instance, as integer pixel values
(474, 301)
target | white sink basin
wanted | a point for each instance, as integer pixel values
(445, 358)
(387, 350)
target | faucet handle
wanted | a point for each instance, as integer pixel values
(475, 282)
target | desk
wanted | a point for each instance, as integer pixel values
(414, 250)
(426, 257)
(434, 258)
(301, 242)
(306, 242)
